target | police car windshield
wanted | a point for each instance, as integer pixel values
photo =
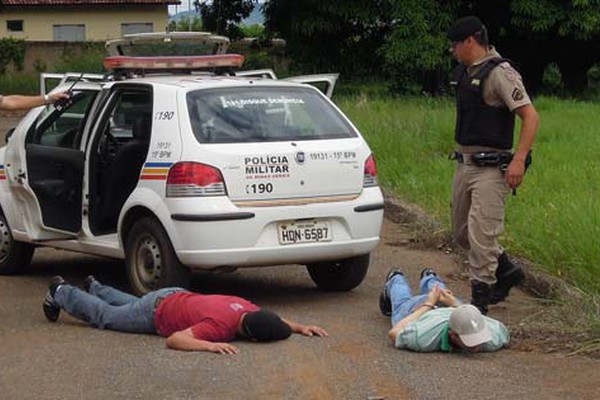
(263, 114)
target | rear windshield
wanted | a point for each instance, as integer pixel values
(262, 114)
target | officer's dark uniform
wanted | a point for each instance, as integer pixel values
(488, 91)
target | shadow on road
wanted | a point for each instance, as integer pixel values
(291, 284)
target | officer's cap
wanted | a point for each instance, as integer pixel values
(465, 27)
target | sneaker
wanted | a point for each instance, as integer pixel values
(385, 302)
(51, 309)
(88, 282)
(426, 272)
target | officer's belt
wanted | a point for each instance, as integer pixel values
(483, 158)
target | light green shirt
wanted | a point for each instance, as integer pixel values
(426, 333)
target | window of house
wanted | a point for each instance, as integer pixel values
(14, 25)
(69, 33)
(143, 27)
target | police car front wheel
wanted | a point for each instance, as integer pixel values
(15, 256)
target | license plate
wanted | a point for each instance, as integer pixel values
(294, 232)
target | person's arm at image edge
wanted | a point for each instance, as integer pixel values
(19, 102)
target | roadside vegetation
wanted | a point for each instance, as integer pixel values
(555, 217)
(552, 224)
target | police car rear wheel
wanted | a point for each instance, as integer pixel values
(15, 256)
(150, 259)
(340, 276)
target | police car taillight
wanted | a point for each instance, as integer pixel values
(189, 179)
(174, 62)
(370, 177)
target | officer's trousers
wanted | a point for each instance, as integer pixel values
(478, 201)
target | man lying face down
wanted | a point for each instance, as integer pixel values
(190, 321)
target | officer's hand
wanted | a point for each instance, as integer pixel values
(223, 348)
(57, 96)
(514, 173)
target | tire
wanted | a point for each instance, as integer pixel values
(15, 256)
(150, 259)
(340, 276)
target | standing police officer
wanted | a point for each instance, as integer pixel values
(489, 93)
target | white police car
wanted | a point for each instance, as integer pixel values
(190, 170)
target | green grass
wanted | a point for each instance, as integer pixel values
(19, 83)
(553, 221)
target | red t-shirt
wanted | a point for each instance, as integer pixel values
(213, 318)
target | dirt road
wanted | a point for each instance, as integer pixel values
(68, 360)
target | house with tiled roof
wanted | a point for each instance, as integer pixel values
(81, 20)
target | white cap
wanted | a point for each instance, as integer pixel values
(468, 323)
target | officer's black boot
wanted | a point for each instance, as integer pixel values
(481, 294)
(508, 275)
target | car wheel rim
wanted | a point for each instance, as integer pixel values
(148, 262)
(6, 241)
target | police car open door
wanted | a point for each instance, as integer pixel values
(48, 166)
(324, 82)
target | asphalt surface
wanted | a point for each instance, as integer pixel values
(69, 360)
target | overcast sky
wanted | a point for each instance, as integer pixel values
(184, 6)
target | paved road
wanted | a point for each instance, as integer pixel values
(68, 360)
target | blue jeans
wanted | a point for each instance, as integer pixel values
(107, 308)
(403, 302)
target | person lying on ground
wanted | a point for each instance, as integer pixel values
(190, 321)
(436, 320)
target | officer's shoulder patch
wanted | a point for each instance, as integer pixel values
(517, 95)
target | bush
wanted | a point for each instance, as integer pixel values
(12, 52)
(87, 59)
(19, 83)
(594, 82)
(552, 80)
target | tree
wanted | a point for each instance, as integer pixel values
(534, 33)
(567, 32)
(406, 39)
(416, 48)
(224, 16)
(324, 35)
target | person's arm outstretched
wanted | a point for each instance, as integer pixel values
(185, 340)
(18, 102)
(306, 330)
